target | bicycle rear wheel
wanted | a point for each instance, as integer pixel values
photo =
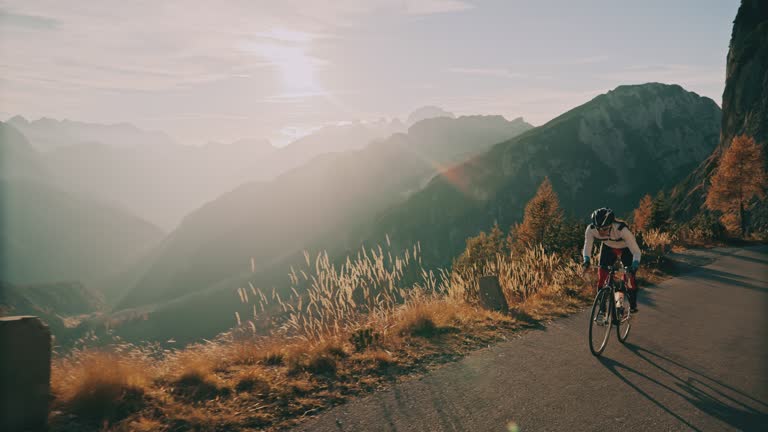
(623, 320)
(599, 325)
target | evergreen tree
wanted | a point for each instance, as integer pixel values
(660, 211)
(643, 213)
(542, 221)
(739, 178)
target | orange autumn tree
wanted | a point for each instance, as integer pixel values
(542, 221)
(643, 212)
(739, 178)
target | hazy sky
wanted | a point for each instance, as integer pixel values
(249, 68)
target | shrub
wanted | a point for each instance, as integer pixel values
(100, 387)
(704, 227)
(193, 377)
(418, 325)
(315, 363)
(319, 359)
(364, 338)
(657, 244)
(481, 249)
(253, 380)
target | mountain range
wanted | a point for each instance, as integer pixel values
(328, 197)
(49, 234)
(162, 181)
(47, 134)
(610, 151)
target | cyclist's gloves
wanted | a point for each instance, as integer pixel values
(635, 265)
(586, 262)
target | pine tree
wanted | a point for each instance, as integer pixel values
(643, 212)
(660, 212)
(542, 221)
(739, 178)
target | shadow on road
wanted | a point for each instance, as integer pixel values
(709, 395)
(759, 249)
(729, 278)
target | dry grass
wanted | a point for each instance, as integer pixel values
(353, 328)
(660, 242)
(319, 358)
(520, 275)
(429, 318)
(265, 351)
(142, 424)
(98, 386)
(193, 378)
(253, 380)
(379, 358)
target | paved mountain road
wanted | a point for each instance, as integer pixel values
(696, 359)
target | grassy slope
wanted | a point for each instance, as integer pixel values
(272, 383)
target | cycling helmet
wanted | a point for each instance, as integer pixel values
(602, 217)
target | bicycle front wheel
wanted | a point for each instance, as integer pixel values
(599, 323)
(623, 320)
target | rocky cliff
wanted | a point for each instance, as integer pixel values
(745, 101)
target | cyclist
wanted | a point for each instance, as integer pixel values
(618, 242)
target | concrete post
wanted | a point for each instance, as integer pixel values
(25, 373)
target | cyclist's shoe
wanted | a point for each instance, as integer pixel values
(632, 301)
(600, 318)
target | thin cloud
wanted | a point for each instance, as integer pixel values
(683, 74)
(27, 21)
(429, 7)
(586, 60)
(293, 96)
(287, 35)
(487, 72)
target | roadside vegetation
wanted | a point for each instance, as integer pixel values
(378, 318)
(352, 329)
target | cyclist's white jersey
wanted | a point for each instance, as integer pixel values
(620, 237)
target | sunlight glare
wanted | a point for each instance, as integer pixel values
(296, 67)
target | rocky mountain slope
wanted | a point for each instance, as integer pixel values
(745, 104)
(63, 306)
(17, 157)
(610, 151)
(52, 235)
(327, 199)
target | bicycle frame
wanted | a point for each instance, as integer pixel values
(605, 302)
(611, 273)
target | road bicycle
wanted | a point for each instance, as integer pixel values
(611, 308)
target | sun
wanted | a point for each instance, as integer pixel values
(297, 69)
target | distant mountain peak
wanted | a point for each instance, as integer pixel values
(427, 112)
(18, 119)
(651, 90)
(47, 134)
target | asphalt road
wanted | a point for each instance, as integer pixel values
(696, 359)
